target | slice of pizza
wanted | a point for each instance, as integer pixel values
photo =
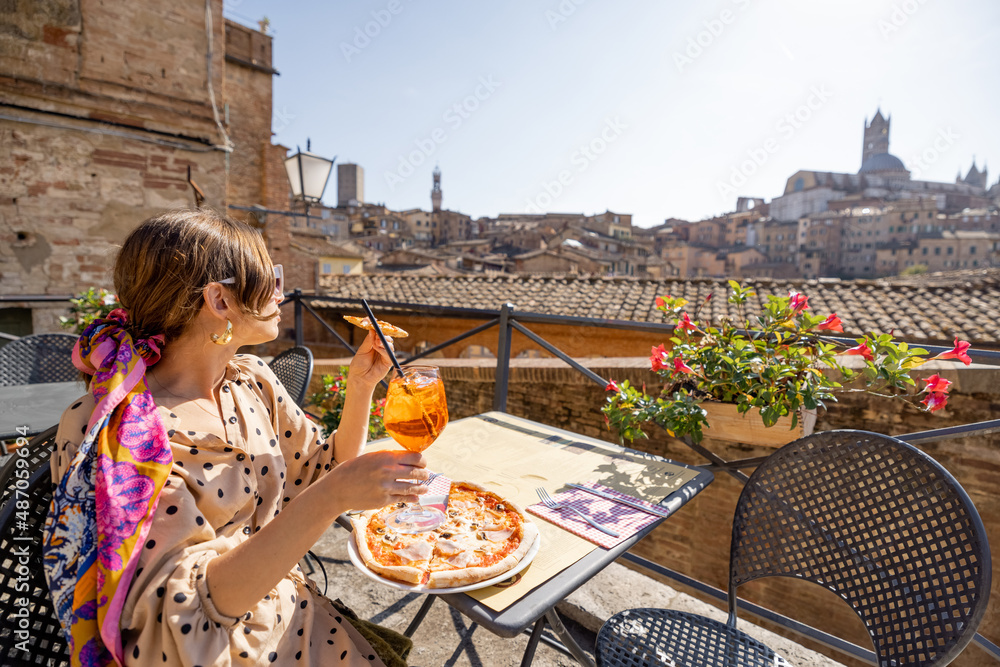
(387, 329)
(483, 537)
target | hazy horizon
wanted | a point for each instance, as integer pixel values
(657, 110)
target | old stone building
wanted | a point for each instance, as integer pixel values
(105, 111)
(881, 175)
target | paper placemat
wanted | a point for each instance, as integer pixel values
(622, 519)
(505, 455)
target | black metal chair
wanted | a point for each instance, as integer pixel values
(38, 359)
(869, 517)
(30, 633)
(294, 368)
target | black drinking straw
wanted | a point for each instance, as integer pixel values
(385, 343)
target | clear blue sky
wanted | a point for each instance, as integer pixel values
(672, 98)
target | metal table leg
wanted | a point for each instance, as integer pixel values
(567, 639)
(529, 651)
(424, 608)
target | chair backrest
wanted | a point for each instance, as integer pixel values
(30, 633)
(294, 368)
(879, 523)
(38, 359)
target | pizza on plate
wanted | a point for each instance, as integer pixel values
(483, 537)
(387, 329)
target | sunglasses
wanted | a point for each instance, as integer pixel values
(279, 280)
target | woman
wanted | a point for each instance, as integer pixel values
(202, 480)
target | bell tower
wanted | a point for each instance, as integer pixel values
(436, 190)
(876, 136)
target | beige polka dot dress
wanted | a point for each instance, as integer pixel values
(222, 489)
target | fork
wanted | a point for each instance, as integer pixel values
(427, 482)
(550, 502)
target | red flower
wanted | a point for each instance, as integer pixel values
(685, 324)
(799, 302)
(863, 350)
(660, 303)
(959, 352)
(831, 323)
(658, 357)
(612, 386)
(937, 385)
(681, 367)
(935, 400)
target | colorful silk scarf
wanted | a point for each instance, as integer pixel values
(102, 508)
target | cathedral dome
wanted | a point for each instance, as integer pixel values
(882, 162)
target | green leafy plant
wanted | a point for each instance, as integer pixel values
(775, 363)
(95, 303)
(330, 401)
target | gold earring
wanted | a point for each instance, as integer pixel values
(226, 336)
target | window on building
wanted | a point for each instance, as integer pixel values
(937, 251)
(16, 322)
(347, 268)
(951, 251)
(327, 268)
(972, 250)
(923, 251)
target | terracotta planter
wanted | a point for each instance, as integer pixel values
(726, 423)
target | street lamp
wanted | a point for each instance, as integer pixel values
(308, 174)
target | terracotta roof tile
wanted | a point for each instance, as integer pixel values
(931, 311)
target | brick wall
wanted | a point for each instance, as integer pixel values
(248, 96)
(696, 541)
(68, 197)
(105, 108)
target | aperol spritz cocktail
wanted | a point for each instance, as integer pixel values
(415, 414)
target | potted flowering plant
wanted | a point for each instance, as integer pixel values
(94, 304)
(780, 365)
(330, 399)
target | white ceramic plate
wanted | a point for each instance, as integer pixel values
(352, 551)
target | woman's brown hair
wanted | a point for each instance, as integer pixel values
(165, 263)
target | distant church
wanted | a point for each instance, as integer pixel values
(882, 176)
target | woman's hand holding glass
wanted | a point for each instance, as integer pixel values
(377, 479)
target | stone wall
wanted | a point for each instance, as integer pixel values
(696, 541)
(105, 109)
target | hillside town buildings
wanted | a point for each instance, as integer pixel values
(102, 127)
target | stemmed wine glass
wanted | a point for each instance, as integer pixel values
(415, 414)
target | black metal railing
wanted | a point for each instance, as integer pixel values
(507, 323)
